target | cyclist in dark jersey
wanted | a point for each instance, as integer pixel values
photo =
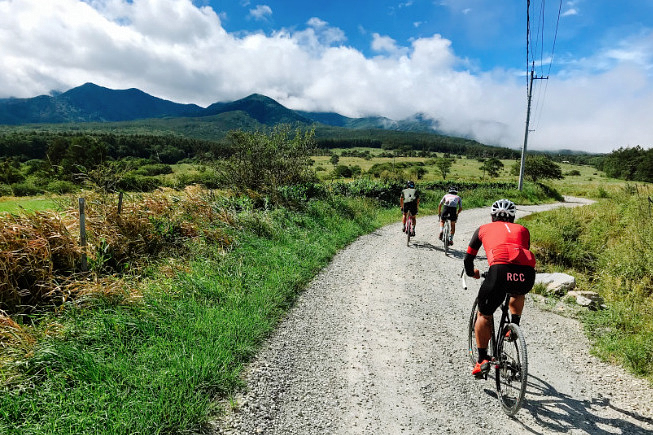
(512, 270)
(409, 200)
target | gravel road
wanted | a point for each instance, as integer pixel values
(377, 345)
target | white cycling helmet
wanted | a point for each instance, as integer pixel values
(503, 210)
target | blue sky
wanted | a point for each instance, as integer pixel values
(461, 63)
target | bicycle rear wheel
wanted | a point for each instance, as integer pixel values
(445, 236)
(409, 227)
(471, 339)
(512, 369)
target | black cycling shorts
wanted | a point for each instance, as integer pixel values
(410, 206)
(450, 213)
(514, 279)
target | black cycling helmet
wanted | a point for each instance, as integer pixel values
(503, 210)
(410, 184)
(453, 189)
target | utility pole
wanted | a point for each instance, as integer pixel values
(528, 120)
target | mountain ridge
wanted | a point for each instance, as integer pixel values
(93, 103)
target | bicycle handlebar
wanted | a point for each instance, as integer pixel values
(463, 277)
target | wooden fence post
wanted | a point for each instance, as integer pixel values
(82, 233)
(120, 202)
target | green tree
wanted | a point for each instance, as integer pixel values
(418, 172)
(334, 159)
(444, 165)
(10, 171)
(342, 171)
(492, 166)
(264, 162)
(538, 168)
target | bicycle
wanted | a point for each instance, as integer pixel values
(409, 227)
(507, 350)
(446, 232)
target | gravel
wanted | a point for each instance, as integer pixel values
(377, 345)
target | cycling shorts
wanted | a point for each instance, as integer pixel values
(412, 206)
(515, 279)
(450, 213)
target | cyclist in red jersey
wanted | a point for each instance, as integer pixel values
(512, 270)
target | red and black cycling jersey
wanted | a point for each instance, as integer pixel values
(504, 243)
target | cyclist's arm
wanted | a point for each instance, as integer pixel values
(470, 255)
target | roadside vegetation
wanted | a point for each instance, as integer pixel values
(607, 246)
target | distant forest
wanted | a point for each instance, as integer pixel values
(24, 145)
(634, 164)
(63, 152)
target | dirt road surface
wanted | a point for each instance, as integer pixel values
(377, 345)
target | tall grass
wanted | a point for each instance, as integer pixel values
(157, 366)
(608, 246)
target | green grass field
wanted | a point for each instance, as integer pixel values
(589, 183)
(15, 205)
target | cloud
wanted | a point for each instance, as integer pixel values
(181, 52)
(384, 44)
(570, 12)
(260, 12)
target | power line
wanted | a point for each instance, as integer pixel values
(531, 50)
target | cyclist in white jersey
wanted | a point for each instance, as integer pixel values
(453, 205)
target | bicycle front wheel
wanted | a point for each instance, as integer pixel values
(511, 369)
(471, 339)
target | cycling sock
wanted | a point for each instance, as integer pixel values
(515, 318)
(482, 354)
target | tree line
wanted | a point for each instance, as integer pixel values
(632, 164)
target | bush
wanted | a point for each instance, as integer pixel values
(61, 187)
(25, 189)
(137, 183)
(155, 169)
(5, 190)
(264, 162)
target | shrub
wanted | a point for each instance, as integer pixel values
(264, 162)
(5, 190)
(25, 189)
(137, 183)
(154, 169)
(61, 187)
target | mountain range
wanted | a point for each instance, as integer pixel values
(93, 103)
